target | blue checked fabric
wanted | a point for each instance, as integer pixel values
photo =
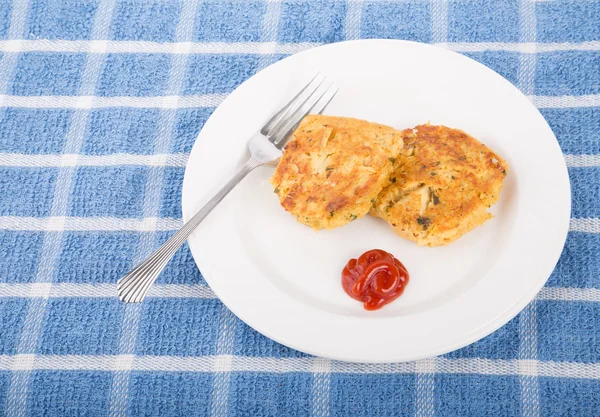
(100, 104)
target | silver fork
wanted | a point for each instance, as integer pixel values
(266, 147)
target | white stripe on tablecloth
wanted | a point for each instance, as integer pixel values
(528, 372)
(16, 393)
(118, 224)
(166, 159)
(88, 101)
(102, 290)
(131, 47)
(152, 196)
(88, 224)
(577, 161)
(53, 240)
(222, 368)
(471, 366)
(213, 100)
(119, 394)
(590, 225)
(106, 290)
(353, 19)
(439, 23)
(145, 47)
(321, 386)
(522, 47)
(565, 102)
(16, 30)
(528, 332)
(270, 27)
(588, 295)
(425, 387)
(71, 160)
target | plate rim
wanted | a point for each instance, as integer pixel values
(502, 318)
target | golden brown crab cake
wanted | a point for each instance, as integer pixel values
(444, 183)
(333, 169)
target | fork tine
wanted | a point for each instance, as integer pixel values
(283, 131)
(321, 104)
(278, 116)
(291, 111)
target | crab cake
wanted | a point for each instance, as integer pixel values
(444, 183)
(333, 168)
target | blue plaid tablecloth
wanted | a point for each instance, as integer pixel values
(100, 104)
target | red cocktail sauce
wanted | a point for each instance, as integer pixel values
(376, 278)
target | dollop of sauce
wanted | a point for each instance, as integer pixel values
(376, 278)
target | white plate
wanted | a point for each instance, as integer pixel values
(283, 279)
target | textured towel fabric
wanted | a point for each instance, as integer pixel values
(91, 163)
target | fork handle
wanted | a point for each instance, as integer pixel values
(133, 286)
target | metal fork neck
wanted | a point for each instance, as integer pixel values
(134, 286)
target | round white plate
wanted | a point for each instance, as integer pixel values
(283, 278)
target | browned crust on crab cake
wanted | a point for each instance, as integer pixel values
(444, 183)
(333, 169)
